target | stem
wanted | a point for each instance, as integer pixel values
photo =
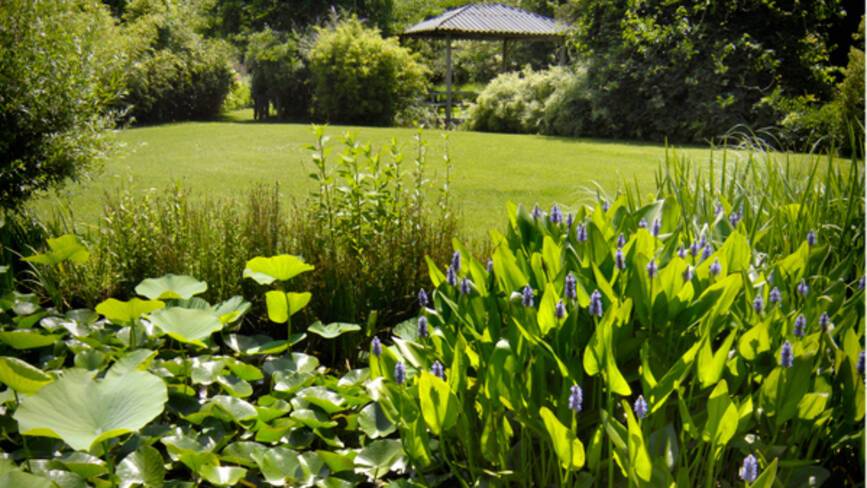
(609, 409)
(711, 468)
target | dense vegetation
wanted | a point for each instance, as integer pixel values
(710, 334)
(54, 101)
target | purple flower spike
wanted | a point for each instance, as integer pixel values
(750, 470)
(556, 215)
(376, 346)
(687, 273)
(758, 304)
(570, 289)
(693, 249)
(703, 241)
(560, 310)
(581, 233)
(681, 253)
(437, 370)
(422, 327)
(651, 268)
(456, 261)
(734, 218)
(451, 276)
(422, 298)
(466, 286)
(619, 261)
(715, 267)
(860, 365)
(657, 226)
(399, 373)
(706, 252)
(824, 320)
(640, 407)
(719, 208)
(803, 288)
(527, 296)
(787, 357)
(861, 282)
(595, 304)
(642, 224)
(537, 212)
(800, 325)
(490, 266)
(569, 219)
(775, 296)
(811, 238)
(576, 398)
(621, 241)
(605, 205)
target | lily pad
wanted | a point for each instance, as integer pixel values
(282, 267)
(23, 339)
(379, 458)
(170, 287)
(374, 423)
(258, 344)
(221, 475)
(63, 248)
(21, 376)
(281, 305)
(83, 411)
(143, 467)
(123, 312)
(187, 325)
(332, 330)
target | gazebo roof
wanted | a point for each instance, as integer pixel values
(488, 21)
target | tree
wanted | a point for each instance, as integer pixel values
(60, 73)
(693, 70)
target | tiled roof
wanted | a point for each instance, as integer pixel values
(487, 21)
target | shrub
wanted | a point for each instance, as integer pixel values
(60, 71)
(359, 77)
(175, 74)
(279, 74)
(551, 101)
(239, 94)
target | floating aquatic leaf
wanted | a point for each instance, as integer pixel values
(83, 411)
(187, 325)
(277, 268)
(170, 286)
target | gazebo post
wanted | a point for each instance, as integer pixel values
(448, 80)
(505, 53)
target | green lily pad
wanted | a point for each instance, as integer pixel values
(235, 386)
(83, 464)
(258, 344)
(21, 376)
(23, 339)
(17, 479)
(277, 268)
(187, 325)
(63, 248)
(170, 287)
(281, 305)
(332, 330)
(221, 475)
(280, 465)
(124, 312)
(83, 411)
(323, 398)
(143, 467)
(242, 453)
(379, 458)
(374, 423)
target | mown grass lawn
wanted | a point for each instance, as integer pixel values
(226, 158)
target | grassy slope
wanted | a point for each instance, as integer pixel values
(224, 158)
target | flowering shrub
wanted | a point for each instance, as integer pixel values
(599, 350)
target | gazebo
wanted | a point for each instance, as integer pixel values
(485, 22)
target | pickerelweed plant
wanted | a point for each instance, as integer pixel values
(683, 364)
(161, 389)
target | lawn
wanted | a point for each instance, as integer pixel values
(223, 158)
